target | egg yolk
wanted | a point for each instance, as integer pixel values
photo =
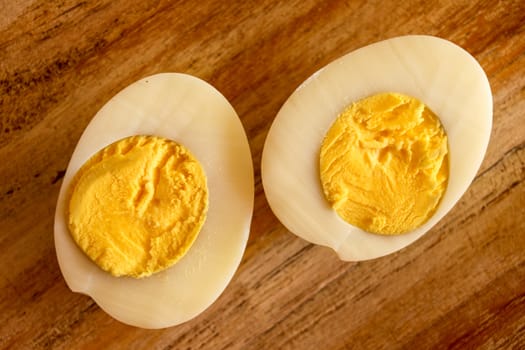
(384, 163)
(137, 206)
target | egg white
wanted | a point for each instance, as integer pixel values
(189, 111)
(439, 73)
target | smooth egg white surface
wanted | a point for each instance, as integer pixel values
(439, 73)
(189, 111)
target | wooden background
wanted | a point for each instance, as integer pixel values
(461, 286)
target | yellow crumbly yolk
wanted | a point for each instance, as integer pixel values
(384, 163)
(136, 207)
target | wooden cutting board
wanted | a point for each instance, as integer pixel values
(460, 286)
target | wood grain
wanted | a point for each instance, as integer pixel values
(460, 286)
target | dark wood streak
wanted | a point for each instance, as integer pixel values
(51, 337)
(289, 261)
(295, 309)
(60, 174)
(482, 324)
(515, 149)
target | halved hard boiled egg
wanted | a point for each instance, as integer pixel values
(440, 74)
(191, 113)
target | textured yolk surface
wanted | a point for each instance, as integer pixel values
(136, 207)
(384, 163)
